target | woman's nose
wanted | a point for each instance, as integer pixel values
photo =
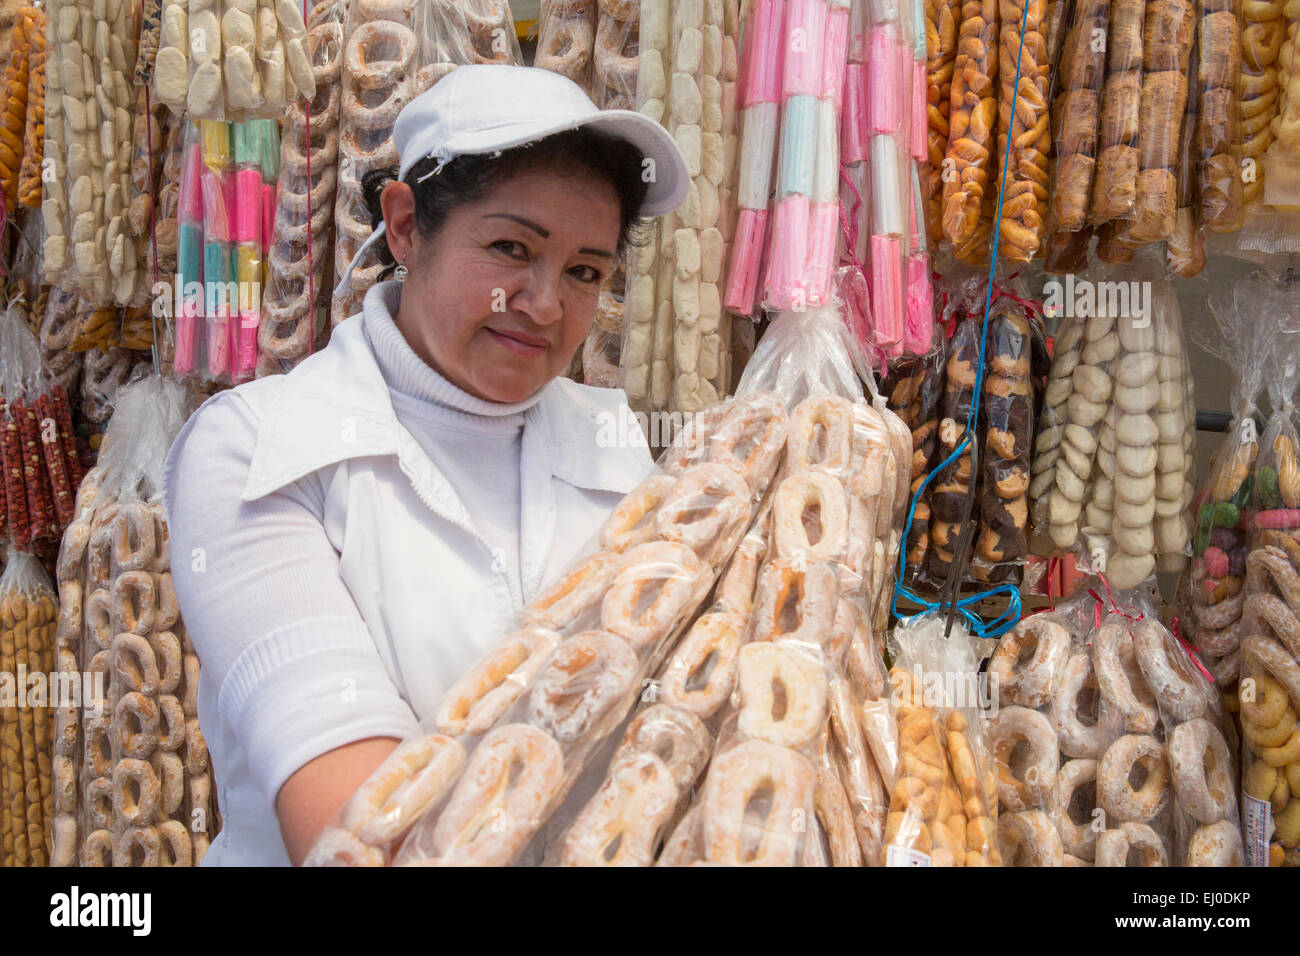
(540, 296)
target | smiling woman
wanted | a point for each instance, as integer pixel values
(363, 528)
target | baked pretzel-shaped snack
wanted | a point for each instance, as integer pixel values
(721, 490)
(800, 674)
(1114, 187)
(941, 18)
(566, 42)
(501, 799)
(626, 815)
(1217, 137)
(967, 202)
(729, 832)
(579, 687)
(676, 736)
(475, 702)
(701, 673)
(653, 586)
(409, 782)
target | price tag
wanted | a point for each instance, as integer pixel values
(901, 856)
(1258, 816)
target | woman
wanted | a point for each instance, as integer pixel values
(351, 537)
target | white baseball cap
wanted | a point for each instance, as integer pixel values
(487, 108)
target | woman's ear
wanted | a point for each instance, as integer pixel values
(398, 203)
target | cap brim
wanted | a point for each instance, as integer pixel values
(668, 179)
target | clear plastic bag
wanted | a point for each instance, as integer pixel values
(1080, 76)
(1263, 34)
(915, 389)
(1217, 139)
(1024, 138)
(1185, 247)
(968, 197)
(566, 41)
(941, 20)
(1114, 187)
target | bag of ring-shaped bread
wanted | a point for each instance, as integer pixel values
(795, 694)
(511, 737)
(1269, 691)
(1166, 780)
(943, 804)
(1210, 595)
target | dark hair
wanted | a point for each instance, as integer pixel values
(468, 178)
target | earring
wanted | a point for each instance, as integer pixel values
(400, 272)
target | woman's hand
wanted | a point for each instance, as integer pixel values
(311, 799)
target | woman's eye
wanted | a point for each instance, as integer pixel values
(587, 274)
(510, 248)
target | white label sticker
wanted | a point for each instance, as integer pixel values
(1258, 817)
(901, 856)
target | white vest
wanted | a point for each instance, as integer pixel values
(424, 582)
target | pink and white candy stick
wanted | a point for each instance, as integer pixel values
(760, 93)
(918, 332)
(825, 214)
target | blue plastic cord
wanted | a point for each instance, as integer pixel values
(965, 606)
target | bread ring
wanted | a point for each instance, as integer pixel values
(622, 823)
(795, 497)
(632, 522)
(668, 571)
(1121, 682)
(814, 589)
(170, 771)
(1030, 684)
(1116, 847)
(379, 53)
(175, 848)
(1281, 620)
(338, 847)
(136, 721)
(580, 685)
(409, 782)
(1216, 844)
(1271, 735)
(821, 435)
(1116, 792)
(692, 443)
(137, 846)
(675, 736)
(836, 819)
(1028, 782)
(1177, 687)
(567, 602)
(736, 589)
(701, 673)
(97, 851)
(1027, 838)
(133, 602)
(801, 676)
(711, 486)
(509, 782)
(615, 70)
(167, 654)
(750, 439)
(1268, 704)
(135, 792)
(1203, 771)
(133, 536)
(1078, 778)
(135, 664)
(565, 46)
(99, 618)
(196, 748)
(485, 692)
(734, 836)
(100, 754)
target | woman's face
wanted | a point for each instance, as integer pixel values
(504, 295)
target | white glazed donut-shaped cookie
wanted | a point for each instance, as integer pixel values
(1114, 787)
(734, 836)
(692, 444)
(1216, 844)
(1168, 672)
(736, 589)
(1028, 782)
(632, 522)
(486, 691)
(751, 438)
(1123, 688)
(821, 435)
(1202, 769)
(580, 683)
(581, 590)
(668, 573)
(703, 509)
(813, 587)
(1131, 844)
(1030, 684)
(379, 53)
(800, 675)
(1027, 838)
(1077, 792)
(409, 781)
(1077, 692)
(702, 670)
(677, 737)
(621, 824)
(795, 496)
(510, 780)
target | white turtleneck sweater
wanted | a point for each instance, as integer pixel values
(476, 444)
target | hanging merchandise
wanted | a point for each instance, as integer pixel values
(967, 201)
(941, 20)
(133, 785)
(1218, 74)
(393, 52)
(1211, 596)
(915, 390)
(13, 118)
(231, 61)
(29, 172)
(1114, 188)
(566, 40)
(1185, 247)
(1263, 34)
(676, 347)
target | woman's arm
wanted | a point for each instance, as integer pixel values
(310, 800)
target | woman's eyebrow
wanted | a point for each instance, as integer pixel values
(545, 233)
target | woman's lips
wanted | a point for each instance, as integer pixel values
(519, 343)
